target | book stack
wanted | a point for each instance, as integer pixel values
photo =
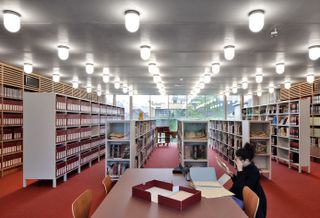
(85, 144)
(61, 135)
(73, 163)
(103, 109)
(12, 119)
(11, 105)
(61, 119)
(95, 108)
(73, 148)
(73, 119)
(73, 134)
(11, 93)
(61, 103)
(119, 151)
(60, 168)
(11, 160)
(61, 152)
(117, 168)
(73, 104)
(85, 132)
(11, 147)
(85, 107)
(95, 120)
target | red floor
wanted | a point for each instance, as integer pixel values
(289, 194)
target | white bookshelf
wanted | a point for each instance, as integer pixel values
(225, 137)
(290, 130)
(193, 143)
(257, 133)
(138, 140)
(61, 134)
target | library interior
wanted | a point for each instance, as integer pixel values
(148, 108)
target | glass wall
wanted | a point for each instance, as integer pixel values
(123, 101)
(109, 99)
(196, 108)
(215, 108)
(141, 103)
(233, 107)
(159, 106)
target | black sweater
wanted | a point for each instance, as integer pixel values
(250, 176)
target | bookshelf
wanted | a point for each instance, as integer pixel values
(128, 144)
(193, 143)
(257, 133)
(11, 128)
(290, 131)
(225, 137)
(315, 127)
(61, 135)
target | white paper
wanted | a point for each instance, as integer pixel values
(224, 179)
(155, 191)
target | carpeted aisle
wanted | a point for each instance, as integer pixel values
(289, 193)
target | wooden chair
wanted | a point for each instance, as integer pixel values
(81, 206)
(250, 201)
(107, 184)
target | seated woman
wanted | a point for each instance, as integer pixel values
(248, 175)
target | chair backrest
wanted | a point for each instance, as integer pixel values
(81, 206)
(107, 183)
(250, 201)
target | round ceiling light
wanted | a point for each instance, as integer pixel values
(27, 68)
(215, 68)
(11, 21)
(132, 20)
(256, 20)
(145, 52)
(280, 67)
(229, 52)
(314, 52)
(63, 52)
(89, 68)
(75, 84)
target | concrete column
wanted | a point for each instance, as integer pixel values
(225, 106)
(130, 108)
(114, 101)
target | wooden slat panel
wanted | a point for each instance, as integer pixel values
(68, 90)
(1, 73)
(305, 89)
(83, 94)
(284, 94)
(316, 87)
(12, 76)
(294, 92)
(58, 88)
(76, 93)
(46, 85)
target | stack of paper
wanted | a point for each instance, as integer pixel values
(204, 179)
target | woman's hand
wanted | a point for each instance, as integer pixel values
(239, 164)
(229, 172)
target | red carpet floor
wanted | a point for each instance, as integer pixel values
(289, 193)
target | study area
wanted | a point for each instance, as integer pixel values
(159, 109)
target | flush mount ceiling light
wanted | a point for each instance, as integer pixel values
(314, 52)
(259, 75)
(27, 68)
(99, 92)
(287, 84)
(215, 68)
(271, 89)
(244, 84)
(207, 78)
(310, 77)
(56, 76)
(152, 68)
(201, 85)
(280, 67)
(75, 84)
(89, 89)
(89, 68)
(259, 92)
(63, 52)
(156, 78)
(132, 20)
(117, 84)
(106, 75)
(234, 89)
(125, 88)
(11, 21)
(229, 52)
(256, 20)
(145, 52)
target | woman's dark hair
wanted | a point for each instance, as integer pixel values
(247, 152)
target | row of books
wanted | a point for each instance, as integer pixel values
(294, 107)
(63, 135)
(315, 120)
(315, 142)
(143, 127)
(195, 151)
(73, 163)
(73, 104)
(11, 160)
(88, 156)
(119, 151)
(117, 168)
(11, 133)
(11, 92)
(62, 151)
(11, 105)
(11, 119)
(315, 132)
(61, 103)
(294, 132)
(95, 108)
(10, 147)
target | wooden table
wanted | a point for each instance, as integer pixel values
(119, 202)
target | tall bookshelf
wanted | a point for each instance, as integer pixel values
(11, 129)
(193, 143)
(128, 144)
(61, 134)
(225, 137)
(257, 133)
(315, 127)
(290, 130)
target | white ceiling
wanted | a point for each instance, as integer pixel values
(186, 37)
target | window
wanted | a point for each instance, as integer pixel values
(177, 106)
(123, 101)
(196, 108)
(109, 99)
(233, 107)
(215, 107)
(140, 103)
(159, 106)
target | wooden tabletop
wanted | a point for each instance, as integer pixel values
(119, 203)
